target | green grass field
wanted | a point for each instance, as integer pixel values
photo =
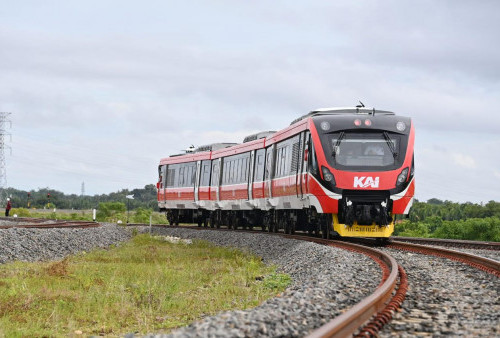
(145, 285)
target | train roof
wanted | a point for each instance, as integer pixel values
(343, 111)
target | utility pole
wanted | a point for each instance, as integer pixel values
(83, 194)
(4, 120)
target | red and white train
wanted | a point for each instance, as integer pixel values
(348, 171)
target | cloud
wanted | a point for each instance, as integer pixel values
(464, 161)
(104, 102)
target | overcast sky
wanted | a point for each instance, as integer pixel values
(101, 90)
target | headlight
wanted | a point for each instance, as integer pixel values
(325, 125)
(328, 176)
(401, 126)
(402, 176)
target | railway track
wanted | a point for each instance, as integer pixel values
(42, 223)
(452, 243)
(378, 308)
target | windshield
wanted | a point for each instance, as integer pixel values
(362, 150)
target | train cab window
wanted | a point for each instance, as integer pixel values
(365, 149)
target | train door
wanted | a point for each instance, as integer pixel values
(162, 179)
(300, 164)
(305, 160)
(269, 171)
(197, 181)
(217, 177)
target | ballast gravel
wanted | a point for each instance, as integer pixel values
(326, 281)
(31, 244)
(445, 298)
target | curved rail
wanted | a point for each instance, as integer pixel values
(42, 223)
(485, 264)
(350, 321)
(457, 243)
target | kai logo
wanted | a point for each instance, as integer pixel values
(365, 182)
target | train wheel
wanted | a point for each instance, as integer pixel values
(286, 227)
(382, 241)
(206, 222)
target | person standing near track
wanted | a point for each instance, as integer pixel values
(8, 207)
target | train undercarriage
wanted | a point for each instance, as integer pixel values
(290, 221)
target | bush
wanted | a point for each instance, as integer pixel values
(141, 215)
(110, 211)
(20, 212)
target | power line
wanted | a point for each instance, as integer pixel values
(4, 120)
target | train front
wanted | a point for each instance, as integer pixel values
(365, 161)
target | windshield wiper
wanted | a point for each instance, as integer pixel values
(390, 144)
(337, 144)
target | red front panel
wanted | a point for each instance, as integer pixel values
(399, 206)
(328, 204)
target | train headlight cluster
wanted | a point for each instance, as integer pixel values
(402, 176)
(401, 126)
(328, 176)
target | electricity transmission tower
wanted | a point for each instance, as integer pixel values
(83, 196)
(4, 120)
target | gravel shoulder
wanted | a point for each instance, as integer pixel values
(27, 244)
(445, 298)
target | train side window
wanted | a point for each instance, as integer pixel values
(295, 157)
(244, 177)
(205, 173)
(259, 166)
(180, 182)
(193, 175)
(225, 172)
(237, 164)
(312, 158)
(215, 174)
(268, 166)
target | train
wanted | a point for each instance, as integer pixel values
(345, 172)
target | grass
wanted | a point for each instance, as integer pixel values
(145, 285)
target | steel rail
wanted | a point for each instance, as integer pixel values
(450, 242)
(350, 321)
(37, 223)
(483, 263)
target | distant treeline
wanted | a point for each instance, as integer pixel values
(143, 198)
(434, 218)
(445, 219)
